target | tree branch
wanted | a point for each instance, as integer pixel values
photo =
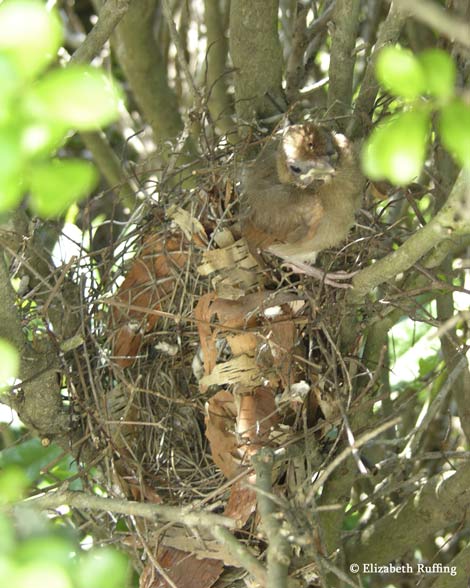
(40, 405)
(342, 58)
(279, 550)
(219, 102)
(140, 58)
(110, 15)
(241, 554)
(441, 502)
(438, 18)
(257, 57)
(452, 218)
(155, 512)
(389, 32)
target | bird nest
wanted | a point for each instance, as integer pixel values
(191, 355)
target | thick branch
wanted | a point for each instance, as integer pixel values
(40, 405)
(220, 105)
(438, 18)
(140, 58)
(342, 58)
(443, 501)
(257, 57)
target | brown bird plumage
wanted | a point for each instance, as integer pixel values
(301, 193)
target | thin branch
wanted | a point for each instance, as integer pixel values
(347, 451)
(103, 154)
(110, 166)
(108, 19)
(86, 501)
(279, 551)
(389, 32)
(438, 401)
(241, 554)
(180, 55)
(450, 219)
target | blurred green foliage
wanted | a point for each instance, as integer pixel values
(425, 85)
(39, 107)
(42, 556)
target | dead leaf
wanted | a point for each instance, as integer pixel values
(185, 570)
(190, 226)
(236, 255)
(147, 287)
(203, 314)
(241, 503)
(220, 430)
(257, 415)
(240, 370)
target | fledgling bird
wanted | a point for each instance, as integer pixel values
(300, 196)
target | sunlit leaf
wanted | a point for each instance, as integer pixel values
(101, 568)
(400, 73)
(396, 149)
(57, 184)
(30, 35)
(42, 574)
(440, 72)
(9, 83)
(81, 97)
(42, 137)
(9, 362)
(454, 128)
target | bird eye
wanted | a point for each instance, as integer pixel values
(295, 169)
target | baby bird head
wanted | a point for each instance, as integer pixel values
(307, 153)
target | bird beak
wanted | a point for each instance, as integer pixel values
(321, 170)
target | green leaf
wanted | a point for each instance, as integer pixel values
(41, 574)
(440, 72)
(13, 483)
(101, 568)
(80, 97)
(396, 149)
(9, 82)
(454, 128)
(42, 137)
(400, 73)
(30, 455)
(57, 184)
(9, 362)
(48, 548)
(30, 35)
